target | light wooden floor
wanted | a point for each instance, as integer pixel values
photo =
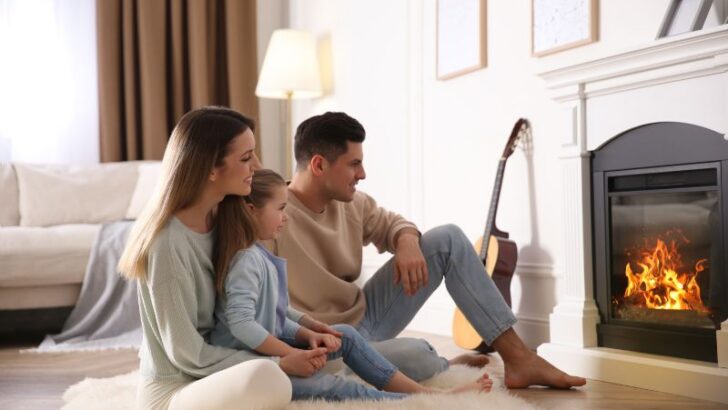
(37, 381)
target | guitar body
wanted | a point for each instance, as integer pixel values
(499, 258)
(500, 264)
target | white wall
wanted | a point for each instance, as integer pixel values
(369, 82)
(432, 146)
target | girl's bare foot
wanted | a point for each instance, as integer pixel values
(534, 370)
(482, 384)
(471, 359)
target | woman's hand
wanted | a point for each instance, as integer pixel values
(319, 327)
(303, 363)
(330, 342)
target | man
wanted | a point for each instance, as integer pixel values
(329, 222)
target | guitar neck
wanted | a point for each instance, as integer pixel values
(490, 222)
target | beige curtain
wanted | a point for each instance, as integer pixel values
(160, 58)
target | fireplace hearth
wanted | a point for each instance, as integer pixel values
(659, 227)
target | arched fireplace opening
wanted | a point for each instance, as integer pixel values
(660, 198)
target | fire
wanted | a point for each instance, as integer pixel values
(660, 285)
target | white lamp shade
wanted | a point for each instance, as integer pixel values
(290, 66)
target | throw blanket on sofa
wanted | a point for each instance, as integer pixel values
(106, 315)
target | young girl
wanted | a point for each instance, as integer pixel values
(252, 313)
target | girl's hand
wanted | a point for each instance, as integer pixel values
(319, 327)
(303, 363)
(330, 342)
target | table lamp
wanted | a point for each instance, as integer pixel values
(290, 70)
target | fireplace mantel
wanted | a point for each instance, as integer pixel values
(684, 79)
(668, 59)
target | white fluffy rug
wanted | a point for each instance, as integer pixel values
(118, 393)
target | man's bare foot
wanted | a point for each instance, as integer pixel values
(470, 359)
(533, 370)
(482, 384)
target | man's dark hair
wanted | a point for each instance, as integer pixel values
(326, 135)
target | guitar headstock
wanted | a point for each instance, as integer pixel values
(520, 130)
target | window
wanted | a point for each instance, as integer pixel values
(48, 81)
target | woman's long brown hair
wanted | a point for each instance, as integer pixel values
(199, 142)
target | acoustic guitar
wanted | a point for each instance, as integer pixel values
(499, 256)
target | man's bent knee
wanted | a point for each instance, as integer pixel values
(443, 238)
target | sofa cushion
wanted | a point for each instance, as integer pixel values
(146, 185)
(9, 211)
(32, 256)
(60, 195)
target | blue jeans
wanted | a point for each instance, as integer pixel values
(450, 256)
(366, 362)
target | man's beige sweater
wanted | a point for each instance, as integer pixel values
(324, 253)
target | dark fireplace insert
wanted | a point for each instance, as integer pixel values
(659, 237)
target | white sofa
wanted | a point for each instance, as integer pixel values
(49, 218)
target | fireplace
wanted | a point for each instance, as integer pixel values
(659, 239)
(614, 108)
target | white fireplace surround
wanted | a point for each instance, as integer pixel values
(684, 79)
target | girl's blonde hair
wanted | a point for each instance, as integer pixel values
(261, 191)
(264, 183)
(199, 142)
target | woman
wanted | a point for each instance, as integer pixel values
(189, 231)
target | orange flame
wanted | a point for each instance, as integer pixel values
(659, 285)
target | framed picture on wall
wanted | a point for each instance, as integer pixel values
(684, 16)
(558, 25)
(460, 37)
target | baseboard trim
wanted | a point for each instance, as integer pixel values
(691, 378)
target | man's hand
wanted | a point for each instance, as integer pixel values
(303, 363)
(410, 268)
(319, 327)
(330, 342)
